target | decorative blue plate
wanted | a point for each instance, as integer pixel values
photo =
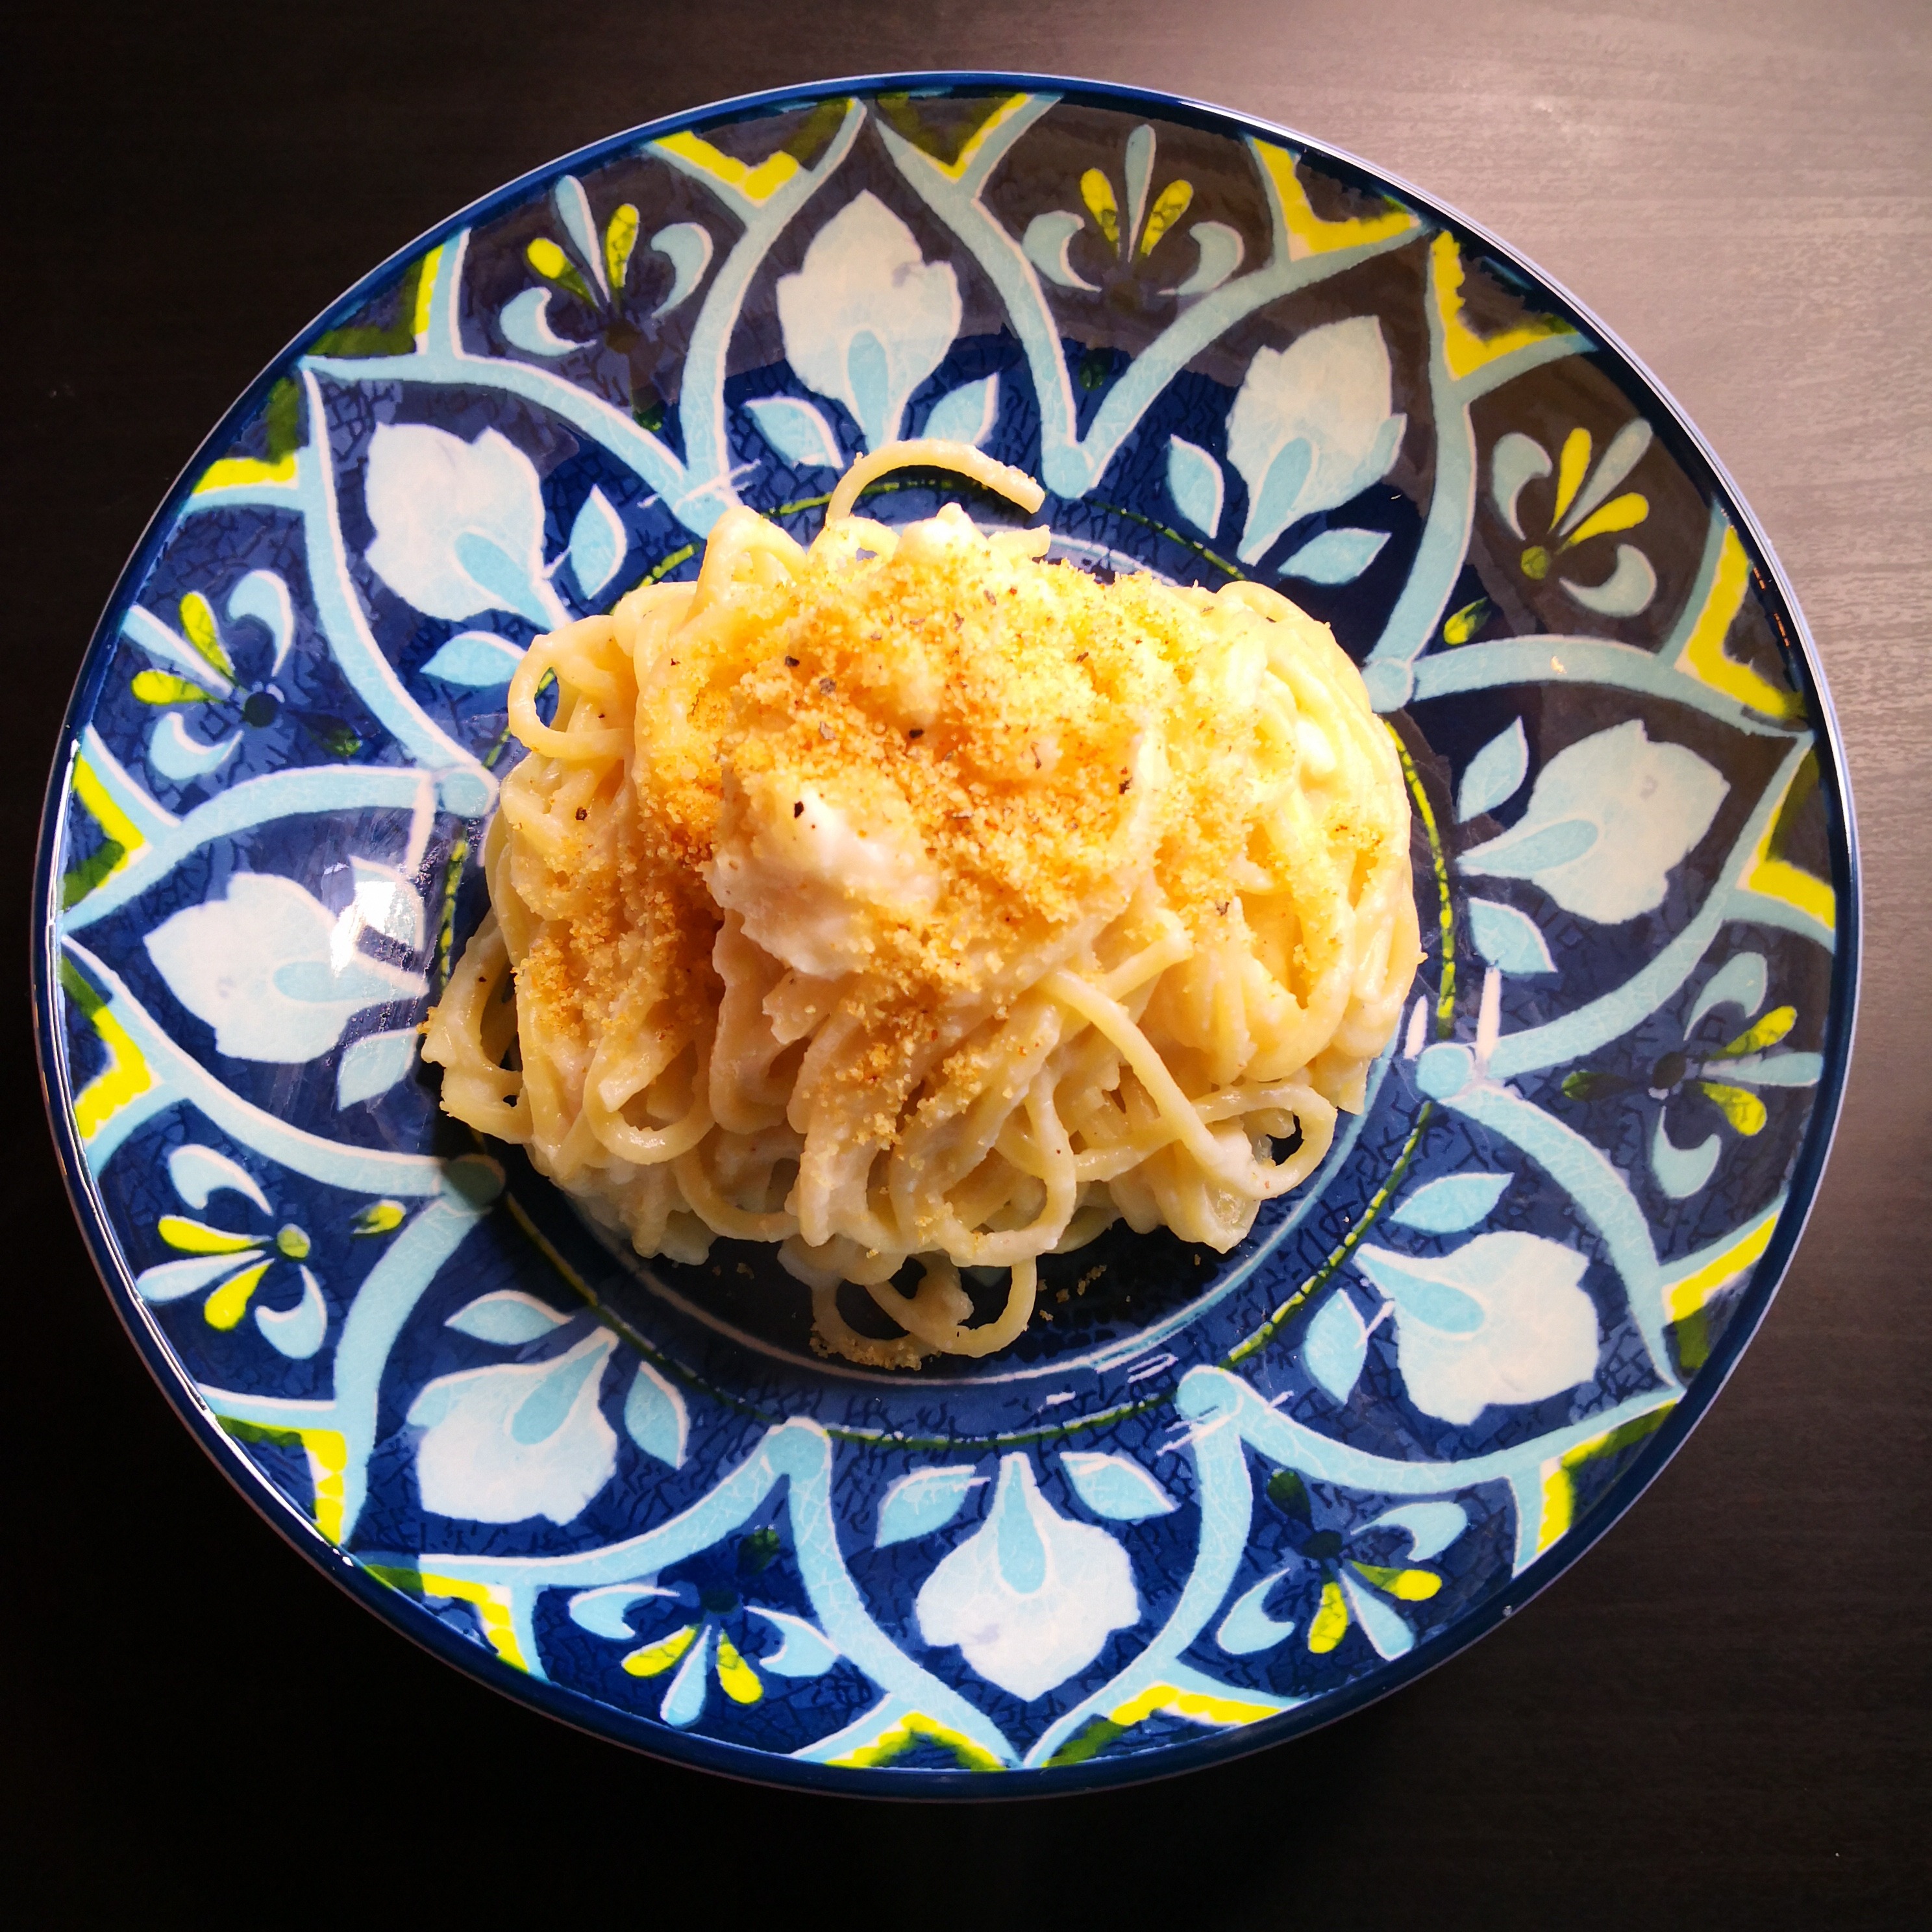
(1206, 1501)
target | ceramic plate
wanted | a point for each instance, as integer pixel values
(1208, 1501)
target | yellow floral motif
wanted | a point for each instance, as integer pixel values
(1330, 1621)
(1170, 205)
(899, 1739)
(1308, 234)
(381, 1217)
(1621, 513)
(736, 1677)
(493, 1608)
(101, 807)
(654, 1659)
(620, 237)
(757, 184)
(229, 1302)
(1703, 654)
(124, 1078)
(1685, 1296)
(1559, 1488)
(1463, 350)
(1097, 192)
(739, 1680)
(1412, 1586)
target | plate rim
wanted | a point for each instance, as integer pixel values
(577, 1709)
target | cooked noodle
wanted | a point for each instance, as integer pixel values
(909, 896)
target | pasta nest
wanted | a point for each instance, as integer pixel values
(910, 895)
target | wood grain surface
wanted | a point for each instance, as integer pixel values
(1719, 1716)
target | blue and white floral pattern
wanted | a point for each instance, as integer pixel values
(1206, 1498)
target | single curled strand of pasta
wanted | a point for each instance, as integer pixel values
(931, 453)
(935, 1315)
(739, 535)
(559, 653)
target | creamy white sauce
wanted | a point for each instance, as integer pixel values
(815, 889)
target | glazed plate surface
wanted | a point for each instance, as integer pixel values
(1207, 1500)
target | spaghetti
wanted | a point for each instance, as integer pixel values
(909, 896)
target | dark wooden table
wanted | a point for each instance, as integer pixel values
(1719, 1716)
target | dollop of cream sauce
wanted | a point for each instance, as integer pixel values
(815, 883)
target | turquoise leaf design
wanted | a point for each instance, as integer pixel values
(374, 1064)
(797, 431)
(509, 1318)
(1494, 773)
(296, 1332)
(1194, 482)
(1431, 1527)
(597, 543)
(655, 1417)
(967, 414)
(1110, 1485)
(1509, 940)
(1449, 1205)
(1335, 1348)
(927, 1500)
(1336, 556)
(474, 661)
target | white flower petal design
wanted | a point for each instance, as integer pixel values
(1311, 427)
(866, 320)
(519, 1440)
(200, 1172)
(1030, 1597)
(1046, 242)
(1628, 588)
(1501, 1320)
(273, 970)
(687, 246)
(177, 753)
(1659, 799)
(298, 1332)
(525, 322)
(1221, 249)
(459, 526)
